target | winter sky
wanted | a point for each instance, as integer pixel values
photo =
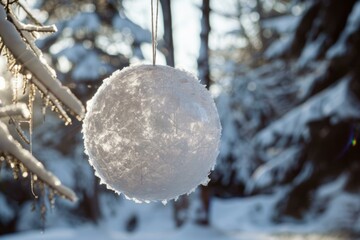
(186, 27)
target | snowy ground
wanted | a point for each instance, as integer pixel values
(188, 233)
(234, 219)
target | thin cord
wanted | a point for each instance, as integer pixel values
(154, 28)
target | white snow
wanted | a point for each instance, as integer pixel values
(280, 162)
(352, 25)
(311, 50)
(91, 67)
(337, 102)
(278, 47)
(6, 211)
(140, 35)
(19, 109)
(84, 21)
(43, 76)
(73, 52)
(31, 163)
(283, 24)
(234, 219)
(87, 64)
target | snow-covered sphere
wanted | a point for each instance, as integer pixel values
(152, 132)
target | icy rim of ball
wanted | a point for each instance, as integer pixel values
(89, 107)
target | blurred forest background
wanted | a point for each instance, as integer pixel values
(285, 75)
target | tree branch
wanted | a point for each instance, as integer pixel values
(28, 12)
(34, 28)
(19, 109)
(32, 164)
(45, 79)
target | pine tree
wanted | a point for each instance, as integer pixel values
(291, 117)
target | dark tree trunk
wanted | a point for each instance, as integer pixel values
(180, 207)
(168, 49)
(90, 202)
(204, 75)
(203, 59)
(180, 210)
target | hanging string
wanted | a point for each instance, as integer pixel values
(154, 26)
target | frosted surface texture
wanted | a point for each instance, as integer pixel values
(152, 132)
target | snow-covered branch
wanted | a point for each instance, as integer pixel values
(33, 28)
(31, 59)
(19, 40)
(25, 7)
(12, 147)
(19, 109)
(337, 102)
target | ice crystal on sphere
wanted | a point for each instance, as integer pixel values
(152, 132)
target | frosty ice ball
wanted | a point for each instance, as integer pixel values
(152, 132)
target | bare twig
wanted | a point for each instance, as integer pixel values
(27, 36)
(33, 28)
(29, 13)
